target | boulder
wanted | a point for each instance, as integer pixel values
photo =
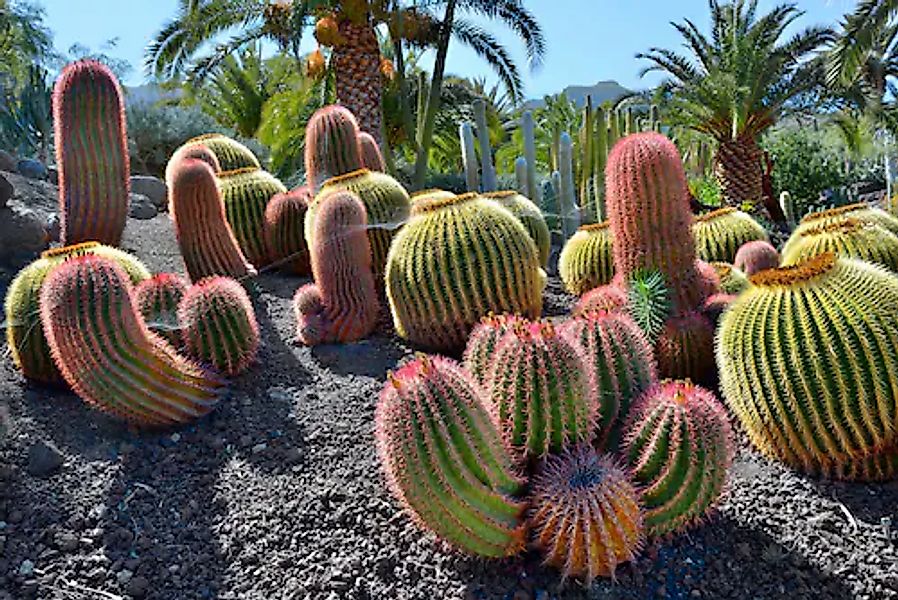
(142, 208)
(151, 187)
(6, 191)
(32, 169)
(8, 162)
(22, 233)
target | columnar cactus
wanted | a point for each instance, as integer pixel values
(372, 159)
(91, 154)
(469, 157)
(607, 298)
(586, 261)
(285, 240)
(732, 280)
(456, 261)
(530, 216)
(543, 390)
(107, 355)
(585, 514)
(230, 154)
(685, 348)
(207, 243)
(484, 340)
(245, 194)
(342, 305)
(332, 145)
(487, 169)
(679, 448)
(445, 461)
(567, 200)
(720, 234)
(756, 256)
(24, 334)
(620, 358)
(807, 362)
(848, 238)
(195, 152)
(157, 300)
(218, 325)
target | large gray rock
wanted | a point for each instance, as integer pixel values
(142, 208)
(8, 162)
(151, 187)
(32, 169)
(6, 191)
(22, 233)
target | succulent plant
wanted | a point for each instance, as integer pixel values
(719, 234)
(342, 304)
(530, 216)
(332, 145)
(607, 298)
(457, 260)
(648, 302)
(105, 352)
(191, 152)
(586, 261)
(807, 362)
(285, 240)
(679, 448)
(732, 280)
(860, 211)
(205, 238)
(482, 343)
(372, 159)
(91, 154)
(157, 300)
(445, 461)
(230, 154)
(716, 305)
(847, 238)
(754, 257)
(24, 334)
(585, 514)
(685, 348)
(245, 194)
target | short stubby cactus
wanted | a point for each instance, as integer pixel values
(207, 243)
(719, 234)
(230, 154)
(622, 363)
(24, 334)
(372, 159)
(732, 280)
(386, 203)
(218, 325)
(91, 154)
(481, 348)
(332, 146)
(543, 390)
(607, 298)
(530, 216)
(586, 261)
(848, 238)
(807, 362)
(685, 348)
(457, 260)
(585, 514)
(342, 305)
(679, 448)
(157, 300)
(445, 461)
(102, 347)
(754, 257)
(285, 240)
(245, 194)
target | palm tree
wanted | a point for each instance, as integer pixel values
(738, 83)
(24, 40)
(865, 48)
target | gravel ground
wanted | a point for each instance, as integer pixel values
(278, 495)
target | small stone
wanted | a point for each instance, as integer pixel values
(44, 459)
(26, 569)
(53, 175)
(151, 187)
(15, 517)
(22, 232)
(137, 587)
(66, 541)
(53, 227)
(32, 169)
(123, 577)
(142, 208)
(293, 456)
(259, 448)
(8, 162)
(176, 437)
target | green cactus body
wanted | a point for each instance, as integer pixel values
(187, 152)
(685, 348)
(679, 448)
(732, 280)
(849, 238)
(607, 298)
(807, 362)
(445, 461)
(757, 256)
(456, 261)
(530, 216)
(858, 212)
(24, 334)
(484, 340)
(245, 194)
(157, 300)
(587, 259)
(91, 154)
(230, 154)
(332, 145)
(720, 234)
(285, 239)
(105, 352)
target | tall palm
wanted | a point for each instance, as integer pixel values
(738, 82)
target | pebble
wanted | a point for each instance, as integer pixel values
(137, 586)
(44, 459)
(123, 577)
(258, 448)
(26, 569)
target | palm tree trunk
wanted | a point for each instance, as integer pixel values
(738, 167)
(358, 82)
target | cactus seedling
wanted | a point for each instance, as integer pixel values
(285, 240)
(157, 300)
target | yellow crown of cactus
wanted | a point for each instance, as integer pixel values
(719, 234)
(859, 211)
(586, 261)
(847, 238)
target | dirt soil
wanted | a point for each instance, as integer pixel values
(278, 495)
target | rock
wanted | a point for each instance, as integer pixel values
(6, 191)
(124, 576)
(53, 175)
(151, 187)
(66, 541)
(21, 232)
(8, 162)
(142, 208)
(137, 587)
(26, 569)
(32, 169)
(44, 459)
(53, 227)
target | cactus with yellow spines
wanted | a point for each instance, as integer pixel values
(245, 194)
(685, 348)
(754, 257)
(230, 154)
(719, 234)
(530, 216)
(157, 300)
(732, 280)
(607, 298)
(285, 240)
(445, 461)
(585, 514)
(24, 334)
(807, 362)
(372, 159)
(482, 343)
(587, 261)
(457, 260)
(105, 352)
(848, 238)
(860, 211)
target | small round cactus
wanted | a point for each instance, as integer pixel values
(685, 348)
(719, 234)
(482, 344)
(754, 257)
(732, 280)
(157, 300)
(530, 216)
(848, 238)
(607, 298)
(586, 261)
(285, 240)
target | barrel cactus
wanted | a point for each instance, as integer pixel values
(157, 300)
(586, 261)
(530, 216)
(24, 334)
(685, 348)
(372, 159)
(332, 146)
(848, 238)
(482, 343)
(457, 260)
(754, 257)
(105, 352)
(245, 194)
(860, 211)
(605, 298)
(445, 461)
(719, 234)
(732, 280)
(230, 154)
(285, 240)
(679, 448)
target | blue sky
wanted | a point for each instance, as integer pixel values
(588, 40)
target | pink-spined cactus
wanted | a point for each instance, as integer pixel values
(754, 257)
(332, 145)
(285, 239)
(605, 298)
(481, 348)
(716, 305)
(192, 151)
(685, 348)
(342, 305)
(157, 300)
(372, 159)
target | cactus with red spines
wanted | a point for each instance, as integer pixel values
(157, 300)
(542, 389)
(585, 514)
(332, 145)
(207, 243)
(372, 159)
(685, 348)
(484, 339)
(218, 325)
(91, 154)
(106, 353)
(679, 447)
(445, 461)
(189, 151)
(342, 304)
(756, 256)
(285, 239)
(607, 298)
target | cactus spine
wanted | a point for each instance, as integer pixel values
(756, 256)
(230, 155)
(285, 240)
(488, 171)
(720, 234)
(848, 238)
(157, 300)
(567, 202)
(469, 157)
(332, 145)
(246, 193)
(91, 154)
(372, 158)
(587, 261)
(530, 216)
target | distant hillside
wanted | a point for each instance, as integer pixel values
(600, 92)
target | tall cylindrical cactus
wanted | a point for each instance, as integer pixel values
(848, 238)
(445, 461)
(587, 260)
(489, 181)
(230, 154)
(157, 300)
(332, 145)
(469, 157)
(528, 130)
(245, 194)
(107, 355)
(530, 216)
(91, 154)
(520, 175)
(372, 157)
(719, 234)
(756, 256)
(567, 202)
(285, 240)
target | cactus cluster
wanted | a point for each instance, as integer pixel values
(285, 240)
(230, 155)
(157, 299)
(530, 216)
(720, 234)
(848, 238)
(245, 194)
(587, 261)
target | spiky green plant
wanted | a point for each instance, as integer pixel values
(847, 238)
(586, 261)
(720, 234)
(530, 216)
(648, 301)
(245, 194)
